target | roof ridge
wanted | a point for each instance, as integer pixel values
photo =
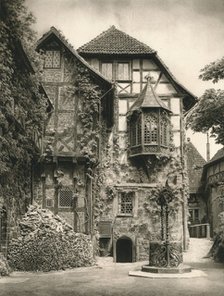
(114, 29)
(97, 37)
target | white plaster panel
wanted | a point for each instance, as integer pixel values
(176, 139)
(175, 121)
(175, 105)
(122, 125)
(123, 108)
(136, 88)
(136, 76)
(148, 64)
(165, 88)
(122, 141)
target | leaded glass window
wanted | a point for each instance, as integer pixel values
(164, 131)
(126, 200)
(52, 59)
(151, 129)
(65, 197)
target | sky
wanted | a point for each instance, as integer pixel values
(187, 34)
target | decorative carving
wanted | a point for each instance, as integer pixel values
(158, 254)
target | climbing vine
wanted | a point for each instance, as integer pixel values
(22, 108)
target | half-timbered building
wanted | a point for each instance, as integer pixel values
(115, 138)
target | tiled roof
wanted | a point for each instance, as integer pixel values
(65, 42)
(148, 99)
(114, 41)
(219, 154)
(195, 163)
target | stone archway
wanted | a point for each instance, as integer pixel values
(124, 249)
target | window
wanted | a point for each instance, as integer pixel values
(123, 71)
(107, 70)
(65, 198)
(52, 59)
(126, 203)
(116, 70)
(194, 216)
(136, 132)
(151, 130)
(49, 202)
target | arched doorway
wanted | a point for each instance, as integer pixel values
(124, 249)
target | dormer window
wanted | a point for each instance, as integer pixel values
(52, 59)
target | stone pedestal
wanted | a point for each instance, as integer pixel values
(163, 256)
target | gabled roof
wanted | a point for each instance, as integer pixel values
(114, 41)
(219, 155)
(195, 163)
(62, 39)
(148, 99)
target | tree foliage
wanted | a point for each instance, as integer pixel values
(208, 114)
(21, 106)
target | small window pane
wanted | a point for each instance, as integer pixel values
(52, 59)
(107, 70)
(56, 59)
(65, 198)
(48, 59)
(126, 202)
(123, 71)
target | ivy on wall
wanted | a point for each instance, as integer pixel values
(22, 109)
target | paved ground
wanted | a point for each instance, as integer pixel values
(109, 279)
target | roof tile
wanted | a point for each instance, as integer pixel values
(195, 163)
(114, 41)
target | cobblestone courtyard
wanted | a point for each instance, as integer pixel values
(108, 278)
